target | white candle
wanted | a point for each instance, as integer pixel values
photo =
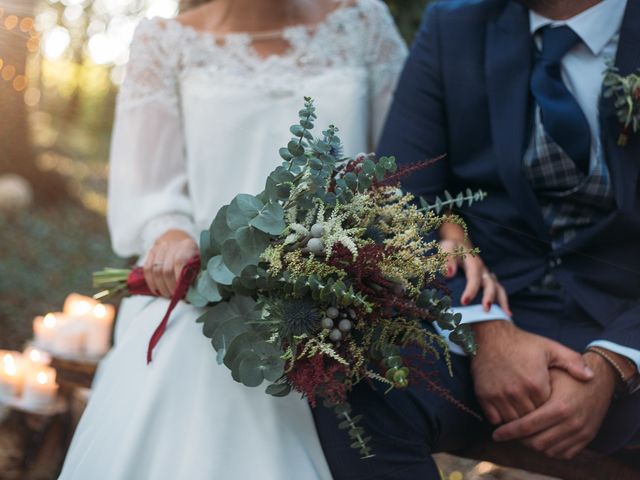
(45, 328)
(69, 338)
(11, 374)
(99, 331)
(36, 356)
(78, 306)
(40, 388)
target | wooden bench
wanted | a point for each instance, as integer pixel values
(71, 373)
(586, 466)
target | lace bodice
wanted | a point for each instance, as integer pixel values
(361, 34)
(187, 95)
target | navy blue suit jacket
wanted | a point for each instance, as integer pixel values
(465, 92)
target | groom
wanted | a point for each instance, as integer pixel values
(512, 92)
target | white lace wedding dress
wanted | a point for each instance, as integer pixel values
(198, 121)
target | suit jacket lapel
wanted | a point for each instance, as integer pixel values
(507, 70)
(624, 162)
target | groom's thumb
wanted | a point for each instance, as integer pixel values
(570, 361)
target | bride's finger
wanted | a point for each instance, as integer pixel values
(449, 247)
(168, 276)
(503, 300)
(148, 271)
(187, 249)
(490, 291)
(452, 267)
(158, 269)
(473, 272)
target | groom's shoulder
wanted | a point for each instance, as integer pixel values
(475, 11)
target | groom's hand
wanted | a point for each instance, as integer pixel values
(511, 369)
(571, 417)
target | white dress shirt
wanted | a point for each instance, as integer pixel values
(582, 72)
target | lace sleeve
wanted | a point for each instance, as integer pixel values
(386, 56)
(152, 69)
(148, 188)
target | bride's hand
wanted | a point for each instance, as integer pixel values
(477, 273)
(166, 259)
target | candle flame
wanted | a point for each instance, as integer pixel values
(35, 355)
(42, 378)
(50, 320)
(81, 307)
(9, 364)
(100, 311)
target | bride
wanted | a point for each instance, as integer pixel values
(206, 104)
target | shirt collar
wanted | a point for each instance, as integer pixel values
(596, 26)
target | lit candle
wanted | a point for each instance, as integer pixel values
(45, 328)
(99, 332)
(40, 388)
(69, 338)
(11, 374)
(78, 306)
(36, 356)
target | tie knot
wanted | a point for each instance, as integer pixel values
(557, 41)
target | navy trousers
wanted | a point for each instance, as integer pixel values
(408, 426)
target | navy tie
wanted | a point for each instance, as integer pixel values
(562, 117)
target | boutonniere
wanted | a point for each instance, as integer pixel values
(626, 93)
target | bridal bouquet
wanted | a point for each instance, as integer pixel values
(324, 279)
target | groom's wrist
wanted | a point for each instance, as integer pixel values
(604, 373)
(490, 330)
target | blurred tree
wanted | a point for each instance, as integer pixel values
(17, 154)
(407, 14)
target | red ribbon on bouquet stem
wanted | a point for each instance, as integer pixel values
(137, 285)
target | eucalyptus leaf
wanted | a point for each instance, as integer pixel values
(245, 342)
(272, 368)
(297, 130)
(208, 248)
(240, 289)
(214, 316)
(295, 148)
(250, 371)
(207, 288)
(241, 210)
(270, 219)
(253, 242)
(285, 154)
(194, 298)
(219, 272)
(278, 389)
(220, 231)
(235, 258)
(225, 332)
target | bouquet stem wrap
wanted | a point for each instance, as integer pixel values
(137, 285)
(187, 277)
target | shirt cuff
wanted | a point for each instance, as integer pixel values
(630, 353)
(471, 314)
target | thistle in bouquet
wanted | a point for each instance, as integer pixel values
(326, 278)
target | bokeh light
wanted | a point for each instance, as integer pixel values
(20, 83)
(8, 72)
(10, 22)
(56, 41)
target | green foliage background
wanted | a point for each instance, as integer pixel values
(407, 14)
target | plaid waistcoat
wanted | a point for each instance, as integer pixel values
(570, 199)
